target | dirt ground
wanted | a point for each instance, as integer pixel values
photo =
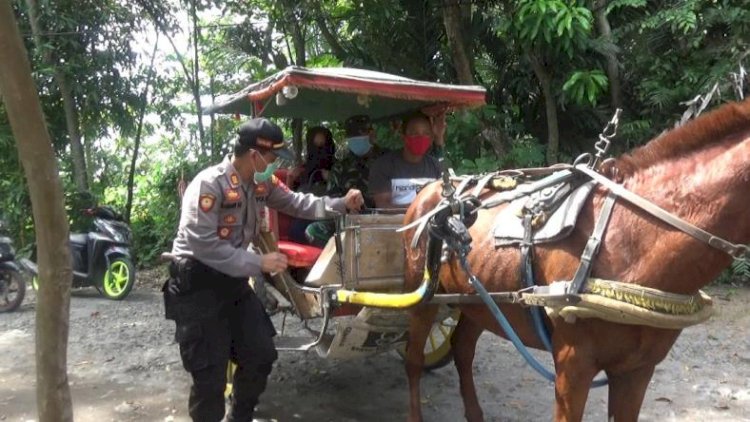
(124, 366)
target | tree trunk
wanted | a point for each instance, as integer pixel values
(71, 112)
(40, 166)
(454, 31)
(613, 67)
(190, 76)
(139, 130)
(300, 59)
(196, 80)
(212, 121)
(336, 48)
(553, 131)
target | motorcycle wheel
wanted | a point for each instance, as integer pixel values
(118, 279)
(12, 290)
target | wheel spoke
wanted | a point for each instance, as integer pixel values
(432, 342)
(445, 331)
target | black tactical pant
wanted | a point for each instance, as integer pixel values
(219, 318)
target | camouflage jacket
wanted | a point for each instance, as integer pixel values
(351, 172)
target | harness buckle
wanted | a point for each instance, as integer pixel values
(741, 252)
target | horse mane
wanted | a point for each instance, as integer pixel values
(709, 129)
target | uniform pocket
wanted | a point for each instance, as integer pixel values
(202, 344)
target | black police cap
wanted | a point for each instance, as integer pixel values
(261, 133)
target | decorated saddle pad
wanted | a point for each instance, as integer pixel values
(558, 206)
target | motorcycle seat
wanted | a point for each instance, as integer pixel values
(79, 238)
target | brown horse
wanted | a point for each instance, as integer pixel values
(699, 172)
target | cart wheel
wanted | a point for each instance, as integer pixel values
(118, 280)
(437, 348)
(231, 367)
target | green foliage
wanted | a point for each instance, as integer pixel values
(741, 269)
(586, 86)
(526, 152)
(737, 273)
(553, 24)
(614, 4)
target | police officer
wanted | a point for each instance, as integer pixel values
(218, 317)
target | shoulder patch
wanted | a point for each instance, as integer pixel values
(232, 195)
(234, 180)
(206, 202)
(224, 232)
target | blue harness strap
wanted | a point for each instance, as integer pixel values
(510, 332)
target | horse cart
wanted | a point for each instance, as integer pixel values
(365, 258)
(586, 249)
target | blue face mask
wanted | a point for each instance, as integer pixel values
(265, 175)
(359, 145)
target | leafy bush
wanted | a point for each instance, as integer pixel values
(737, 273)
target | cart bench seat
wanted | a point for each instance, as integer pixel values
(299, 256)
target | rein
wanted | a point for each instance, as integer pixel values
(732, 249)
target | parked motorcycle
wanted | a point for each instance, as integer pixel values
(13, 273)
(101, 257)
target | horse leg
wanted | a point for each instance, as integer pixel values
(626, 392)
(573, 380)
(464, 345)
(420, 325)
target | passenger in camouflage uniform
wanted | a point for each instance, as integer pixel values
(350, 172)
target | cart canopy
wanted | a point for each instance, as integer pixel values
(338, 93)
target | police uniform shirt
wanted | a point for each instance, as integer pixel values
(221, 215)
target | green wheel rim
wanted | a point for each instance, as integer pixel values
(231, 368)
(35, 283)
(116, 278)
(437, 348)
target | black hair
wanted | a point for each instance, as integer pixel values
(413, 116)
(329, 147)
(318, 157)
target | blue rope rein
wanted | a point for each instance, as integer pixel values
(508, 329)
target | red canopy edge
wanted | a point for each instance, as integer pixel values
(455, 95)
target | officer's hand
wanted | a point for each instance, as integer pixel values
(273, 262)
(354, 200)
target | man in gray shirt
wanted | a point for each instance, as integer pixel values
(396, 176)
(217, 315)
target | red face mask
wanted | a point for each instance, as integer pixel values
(417, 144)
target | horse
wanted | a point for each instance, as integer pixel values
(699, 172)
